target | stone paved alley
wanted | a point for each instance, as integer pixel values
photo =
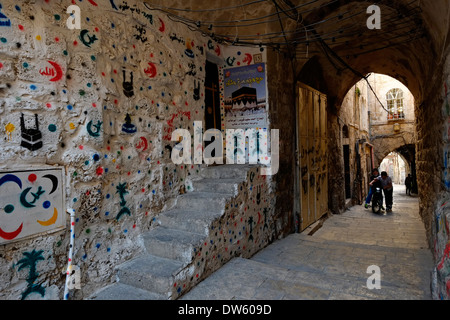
(332, 263)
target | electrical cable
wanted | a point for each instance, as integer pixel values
(260, 38)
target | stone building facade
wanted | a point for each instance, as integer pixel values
(370, 131)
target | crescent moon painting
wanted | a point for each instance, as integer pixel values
(142, 145)
(32, 202)
(54, 181)
(11, 235)
(23, 199)
(163, 26)
(151, 70)
(12, 178)
(58, 70)
(51, 221)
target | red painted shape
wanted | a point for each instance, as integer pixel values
(248, 59)
(93, 3)
(32, 178)
(11, 235)
(142, 144)
(59, 72)
(169, 130)
(163, 26)
(99, 171)
(151, 71)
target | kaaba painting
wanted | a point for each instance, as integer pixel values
(245, 97)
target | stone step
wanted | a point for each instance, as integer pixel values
(172, 244)
(151, 273)
(203, 201)
(217, 185)
(120, 291)
(235, 171)
(193, 221)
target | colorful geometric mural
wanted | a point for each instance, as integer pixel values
(31, 202)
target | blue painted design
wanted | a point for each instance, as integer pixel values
(4, 20)
(12, 178)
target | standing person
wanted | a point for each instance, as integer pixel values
(408, 184)
(388, 189)
(375, 174)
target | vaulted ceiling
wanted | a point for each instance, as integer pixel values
(330, 37)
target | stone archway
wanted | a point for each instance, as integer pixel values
(384, 145)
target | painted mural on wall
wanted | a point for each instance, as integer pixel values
(32, 203)
(441, 235)
(102, 101)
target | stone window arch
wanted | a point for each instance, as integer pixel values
(395, 104)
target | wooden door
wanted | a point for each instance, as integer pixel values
(312, 147)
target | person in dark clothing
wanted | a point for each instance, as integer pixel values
(375, 174)
(388, 189)
(408, 184)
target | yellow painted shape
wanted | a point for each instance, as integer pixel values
(51, 221)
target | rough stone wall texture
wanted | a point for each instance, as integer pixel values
(107, 97)
(352, 116)
(435, 202)
(384, 138)
(282, 116)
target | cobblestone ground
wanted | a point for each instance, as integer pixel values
(333, 263)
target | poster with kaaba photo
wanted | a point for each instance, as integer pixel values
(245, 97)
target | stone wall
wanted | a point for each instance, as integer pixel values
(353, 119)
(389, 135)
(107, 98)
(435, 185)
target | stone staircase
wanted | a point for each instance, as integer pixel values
(170, 246)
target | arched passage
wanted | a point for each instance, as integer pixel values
(418, 64)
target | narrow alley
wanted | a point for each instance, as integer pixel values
(171, 150)
(333, 262)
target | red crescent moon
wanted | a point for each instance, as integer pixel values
(145, 143)
(59, 72)
(93, 3)
(259, 218)
(163, 26)
(10, 235)
(151, 71)
(248, 58)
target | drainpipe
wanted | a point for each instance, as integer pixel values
(72, 240)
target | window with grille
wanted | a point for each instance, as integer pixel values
(395, 105)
